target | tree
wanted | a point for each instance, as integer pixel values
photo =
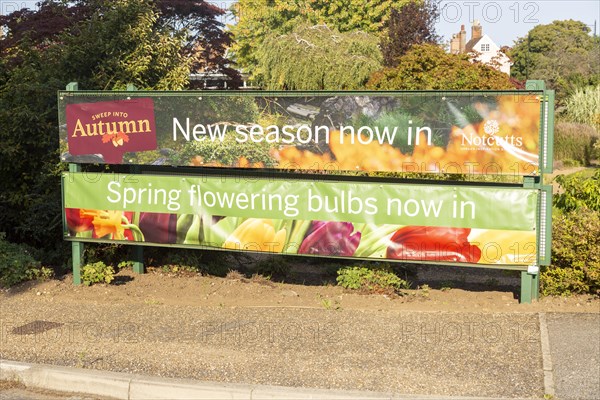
(413, 23)
(258, 19)
(195, 22)
(103, 44)
(318, 58)
(429, 67)
(562, 53)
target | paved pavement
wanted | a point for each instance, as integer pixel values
(575, 351)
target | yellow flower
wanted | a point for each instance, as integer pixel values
(256, 234)
(505, 247)
(108, 223)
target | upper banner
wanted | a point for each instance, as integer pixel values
(458, 132)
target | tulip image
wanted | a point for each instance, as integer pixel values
(434, 244)
(76, 222)
(330, 239)
(159, 227)
(256, 234)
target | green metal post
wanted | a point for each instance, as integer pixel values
(526, 287)
(536, 287)
(137, 252)
(137, 255)
(76, 247)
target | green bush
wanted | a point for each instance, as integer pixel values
(97, 272)
(17, 264)
(575, 254)
(376, 279)
(579, 190)
(573, 143)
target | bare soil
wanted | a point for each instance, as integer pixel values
(236, 290)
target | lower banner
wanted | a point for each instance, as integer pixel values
(412, 222)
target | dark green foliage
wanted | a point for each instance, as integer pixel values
(575, 238)
(101, 44)
(16, 263)
(575, 254)
(573, 143)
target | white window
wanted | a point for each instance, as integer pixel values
(485, 47)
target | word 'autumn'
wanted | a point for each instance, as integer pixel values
(111, 128)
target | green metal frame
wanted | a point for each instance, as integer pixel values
(529, 277)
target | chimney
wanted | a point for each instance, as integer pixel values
(463, 39)
(476, 30)
(455, 44)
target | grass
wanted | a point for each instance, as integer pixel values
(573, 144)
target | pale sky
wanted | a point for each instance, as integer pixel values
(505, 21)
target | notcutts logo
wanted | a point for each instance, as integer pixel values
(491, 139)
(111, 128)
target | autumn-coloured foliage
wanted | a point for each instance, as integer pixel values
(429, 67)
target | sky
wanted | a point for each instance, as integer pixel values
(503, 20)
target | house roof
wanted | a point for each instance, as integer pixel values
(472, 43)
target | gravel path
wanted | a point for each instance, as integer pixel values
(437, 353)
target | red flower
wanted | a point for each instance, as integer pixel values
(76, 222)
(433, 244)
(330, 239)
(100, 222)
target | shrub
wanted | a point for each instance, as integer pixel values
(376, 279)
(97, 272)
(575, 254)
(579, 191)
(18, 265)
(573, 143)
(596, 150)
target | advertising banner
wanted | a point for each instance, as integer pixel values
(456, 224)
(427, 132)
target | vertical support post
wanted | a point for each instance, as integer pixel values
(526, 287)
(76, 247)
(137, 255)
(137, 252)
(530, 284)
